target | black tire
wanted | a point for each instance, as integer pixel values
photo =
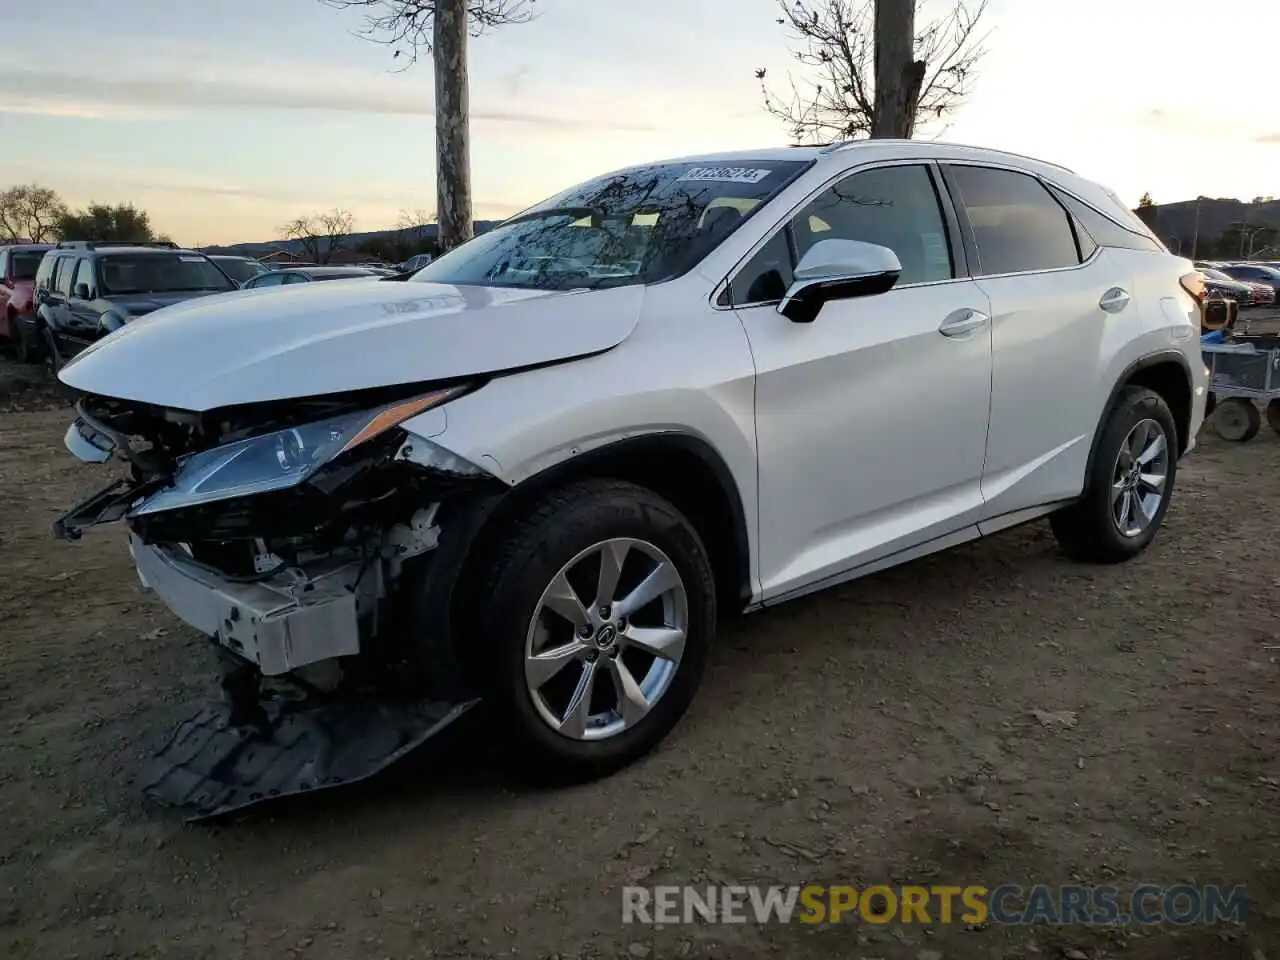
(1210, 404)
(52, 359)
(1237, 419)
(561, 526)
(1087, 530)
(24, 351)
(1273, 415)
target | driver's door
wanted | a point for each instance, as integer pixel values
(871, 421)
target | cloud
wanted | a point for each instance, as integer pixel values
(1268, 138)
(55, 93)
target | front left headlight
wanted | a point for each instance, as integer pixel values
(279, 460)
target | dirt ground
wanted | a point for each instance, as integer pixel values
(880, 732)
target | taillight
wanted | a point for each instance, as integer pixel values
(1193, 283)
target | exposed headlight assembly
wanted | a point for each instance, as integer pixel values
(283, 459)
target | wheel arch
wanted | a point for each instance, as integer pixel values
(1168, 373)
(682, 468)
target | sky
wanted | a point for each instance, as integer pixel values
(225, 120)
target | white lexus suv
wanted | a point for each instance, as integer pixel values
(536, 473)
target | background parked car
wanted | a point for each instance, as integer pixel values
(85, 289)
(1242, 292)
(416, 262)
(275, 278)
(1254, 272)
(18, 265)
(239, 269)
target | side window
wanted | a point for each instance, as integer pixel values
(44, 273)
(267, 280)
(895, 207)
(84, 274)
(294, 278)
(1017, 224)
(766, 276)
(62, 276)
(4, 264)
(1105, 231)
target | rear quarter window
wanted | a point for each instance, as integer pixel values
(1104, 231)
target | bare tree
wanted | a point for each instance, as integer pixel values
(415, 225)
(30, 212)
(321, 235)
(440, 28)
(864, 78)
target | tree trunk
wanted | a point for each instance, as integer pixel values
(898, 74)
(453, 152)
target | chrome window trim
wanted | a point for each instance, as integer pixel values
(724, 282)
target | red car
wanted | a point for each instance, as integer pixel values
(18, 263)
(1264, 295)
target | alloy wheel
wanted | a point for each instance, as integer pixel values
(596, 667)
(1140, 478)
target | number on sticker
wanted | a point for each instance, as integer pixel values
(726, 174)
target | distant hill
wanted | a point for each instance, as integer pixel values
(1220, 223)
(352, 241)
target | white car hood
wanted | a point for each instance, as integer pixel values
(317, 338)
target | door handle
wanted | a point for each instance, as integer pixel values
(961, 322)
(1114, 300)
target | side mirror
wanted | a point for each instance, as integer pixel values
(838, 270)
(82, 291)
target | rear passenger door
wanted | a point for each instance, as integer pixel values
(59, 291)
(1055, 297)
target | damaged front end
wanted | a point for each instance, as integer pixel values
(305, 538)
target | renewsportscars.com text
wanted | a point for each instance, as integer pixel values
(1145, 904)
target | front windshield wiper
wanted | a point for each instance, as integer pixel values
(596, 214)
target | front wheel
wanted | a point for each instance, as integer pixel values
(595, 621)
(1129, 485)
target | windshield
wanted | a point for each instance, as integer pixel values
(159, 273)
(638, 226)
(25, 264)
(1213, 274)
(241, 270)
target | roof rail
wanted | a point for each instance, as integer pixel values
(845, 144)
(96, 244)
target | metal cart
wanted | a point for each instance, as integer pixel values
(1243, 373)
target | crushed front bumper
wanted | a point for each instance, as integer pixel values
(279, 624)
(215, 763)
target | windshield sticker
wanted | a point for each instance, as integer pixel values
(725, 174)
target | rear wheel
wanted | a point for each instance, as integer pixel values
(595, 621)
(24, 351)
(1130, 483)
(1273, 415)
(52, 358)
(1237, 420)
